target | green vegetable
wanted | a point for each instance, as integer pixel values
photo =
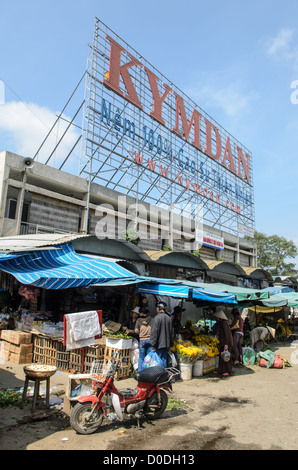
(118, 335)
(175, 404)
(10, 398)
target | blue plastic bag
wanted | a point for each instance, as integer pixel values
(248, 357)
(152, 359)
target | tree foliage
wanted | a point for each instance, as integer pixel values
(274, 253)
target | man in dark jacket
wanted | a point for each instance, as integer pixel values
(162, 333)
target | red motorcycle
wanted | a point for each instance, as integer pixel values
(148, 399)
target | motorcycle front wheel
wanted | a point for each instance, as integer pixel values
(154, 410)
(81, 421)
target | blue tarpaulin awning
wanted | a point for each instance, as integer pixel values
(183, 290)
(61, 268)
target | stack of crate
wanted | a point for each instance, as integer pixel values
(124, 351)
(80, 360)
(50, 351)
(75, 360)
(91, 354)
(62, 356)
(18, 347)
(38, 349)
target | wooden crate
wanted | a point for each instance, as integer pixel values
(62, 356)
(50, 351)
(75, 360)
(93, 353)
(123, 372)
(38, 349)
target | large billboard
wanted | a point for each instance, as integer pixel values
(145, 138)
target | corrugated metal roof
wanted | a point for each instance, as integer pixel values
(175, 258)
(225, 267)
(255, 272)
(40, 240)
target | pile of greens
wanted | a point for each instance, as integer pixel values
(118, 335)
(10, 398)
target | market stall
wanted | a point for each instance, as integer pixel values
(279, 311)
(82, 284)
(46, 277)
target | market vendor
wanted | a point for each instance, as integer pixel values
(143, 329)
(260, 333)
(225, 344)
(237, 332)
(129, 325)
(176, 320)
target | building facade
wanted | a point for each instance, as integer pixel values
(37, 198)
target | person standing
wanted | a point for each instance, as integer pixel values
(129, 325)
(225, 344)
(237, 331)
(143, 330)
(162, 333)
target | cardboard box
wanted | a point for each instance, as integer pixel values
(16, 337)
(21, 359)
(6, 345)
(6, 355)
(22, 349)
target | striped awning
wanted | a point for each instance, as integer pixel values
(184, 290)
(61, 268)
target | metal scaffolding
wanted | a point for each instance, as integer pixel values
(127, 151)
(124, 149)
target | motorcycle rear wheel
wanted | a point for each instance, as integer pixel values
(79, 418)
(150, 410)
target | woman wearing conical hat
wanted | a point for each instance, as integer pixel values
(225, 345)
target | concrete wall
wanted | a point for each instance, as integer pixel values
(58, 200)
(54, 213)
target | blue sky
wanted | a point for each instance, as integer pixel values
(236, 61)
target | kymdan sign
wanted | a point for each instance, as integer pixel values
(147, 139)
(223, 152)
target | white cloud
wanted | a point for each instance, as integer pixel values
(231, 98)
(284, 48)
(281, 43)
(27, 125)
(226, 92)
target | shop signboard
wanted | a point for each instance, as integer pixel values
(213, 241)
(145, 138)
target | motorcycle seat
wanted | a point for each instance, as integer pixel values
(156, 374)
(128, 392)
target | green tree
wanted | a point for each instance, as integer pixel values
(274, 253)
(131, 235)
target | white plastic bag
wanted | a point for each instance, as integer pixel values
(173, 360)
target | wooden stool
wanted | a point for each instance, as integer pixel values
(36, 381)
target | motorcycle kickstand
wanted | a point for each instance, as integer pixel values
(138, 417)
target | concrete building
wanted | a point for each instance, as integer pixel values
(40, 199)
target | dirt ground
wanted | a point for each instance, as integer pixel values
(254, 409)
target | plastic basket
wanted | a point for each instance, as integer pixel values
(100, 369)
